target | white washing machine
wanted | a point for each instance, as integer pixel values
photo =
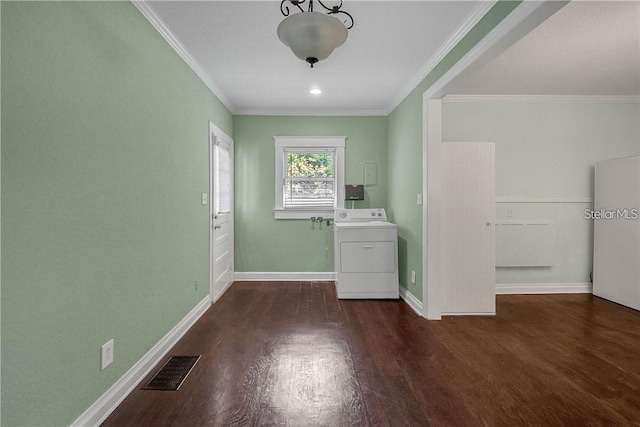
(365, 254)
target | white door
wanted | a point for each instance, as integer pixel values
(468, 228)
(616, 232)
(221, 191)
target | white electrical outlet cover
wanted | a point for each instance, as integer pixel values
(106, 354)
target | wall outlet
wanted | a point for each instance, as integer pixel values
(419, 199)
(413, 277)
(106, 354)
(204, 198)
(196, 285)
(509, 213)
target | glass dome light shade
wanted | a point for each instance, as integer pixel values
(312, 35)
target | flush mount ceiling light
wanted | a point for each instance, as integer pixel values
(312, 36)
(315, 91)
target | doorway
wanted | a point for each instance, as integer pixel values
(221, 235)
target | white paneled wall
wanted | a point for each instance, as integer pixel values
(468, 225)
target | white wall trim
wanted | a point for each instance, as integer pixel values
(110, 400)
(148, 12)
(524, 199)
(468, 23)
(411, 300)
(543, 288)
(469, 314)
(624, 99)
(285, 276)
(432, 213)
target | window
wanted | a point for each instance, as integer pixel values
(222, 178)
(309, 176)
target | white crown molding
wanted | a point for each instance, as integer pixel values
(523, 199)
(543, 288)
(285, 276)
(109, 401)
(469, 22)
(159, 25)
(411, 300)
(622, 99)
(311, 113)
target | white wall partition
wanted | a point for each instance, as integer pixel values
(468, 233)
(616, 260)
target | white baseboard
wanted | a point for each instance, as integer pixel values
(284, 276)
(110, 400)
(470, 313)
(544, 288)
(411, 300)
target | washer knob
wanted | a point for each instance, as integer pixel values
(343, 214)
(373, 214)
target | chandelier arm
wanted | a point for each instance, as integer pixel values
(334, 10)
(330, 8)
(285, 8)
(348, 22)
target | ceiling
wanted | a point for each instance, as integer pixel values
(586, 48)
(236, 48)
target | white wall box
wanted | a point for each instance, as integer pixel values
(525, 244)
(616, 254)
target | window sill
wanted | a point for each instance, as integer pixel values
(303, 213)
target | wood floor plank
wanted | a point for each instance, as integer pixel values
(291, 354)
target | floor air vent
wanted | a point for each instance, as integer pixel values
(172, 374)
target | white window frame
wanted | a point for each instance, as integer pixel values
(283, 143)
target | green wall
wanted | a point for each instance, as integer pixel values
(264, 244)
(548, 149)
(104, 158)
(404, 152)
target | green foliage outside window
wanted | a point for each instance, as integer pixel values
(311, 165)
(310, 179)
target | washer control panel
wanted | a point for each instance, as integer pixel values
(360, 215)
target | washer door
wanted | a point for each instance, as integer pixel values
(368, 257)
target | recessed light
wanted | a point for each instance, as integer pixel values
(315, 91)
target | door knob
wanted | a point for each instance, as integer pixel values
(217, 227)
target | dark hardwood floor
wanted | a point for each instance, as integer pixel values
(292, 354)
